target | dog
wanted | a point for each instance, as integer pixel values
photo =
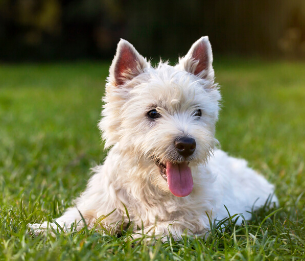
(163, 165)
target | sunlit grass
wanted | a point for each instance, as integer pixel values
(49, 141)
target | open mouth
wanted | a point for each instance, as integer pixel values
(178, 177)
(162, 168)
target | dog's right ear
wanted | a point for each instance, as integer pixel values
(127, 64)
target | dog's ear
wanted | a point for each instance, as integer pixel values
(127, 64)
(199, 58)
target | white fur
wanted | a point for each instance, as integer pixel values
(130, 177)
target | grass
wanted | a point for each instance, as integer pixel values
(49, 140)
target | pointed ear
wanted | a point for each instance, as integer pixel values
(198, 60)
(127, 64)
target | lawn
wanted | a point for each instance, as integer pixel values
(49, 141)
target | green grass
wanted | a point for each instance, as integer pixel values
(49, 140)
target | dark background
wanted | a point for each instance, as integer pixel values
(48, 30)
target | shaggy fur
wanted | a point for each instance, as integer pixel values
(186, 101)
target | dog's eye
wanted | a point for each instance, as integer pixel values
(197, 113)
(153, 114)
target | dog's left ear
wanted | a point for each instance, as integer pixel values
(199, 59)
(127, 64)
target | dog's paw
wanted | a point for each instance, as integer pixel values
(37, 229)
(45, 227)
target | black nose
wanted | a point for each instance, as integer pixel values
(185, 146)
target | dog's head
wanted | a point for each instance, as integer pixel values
(163, 116)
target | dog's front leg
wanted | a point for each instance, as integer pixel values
(70, 220)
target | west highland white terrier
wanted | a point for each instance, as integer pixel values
(163, 165)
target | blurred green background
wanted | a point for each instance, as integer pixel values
(44, 30)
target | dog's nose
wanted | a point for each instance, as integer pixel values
(185, 146)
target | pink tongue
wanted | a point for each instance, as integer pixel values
(179, 179)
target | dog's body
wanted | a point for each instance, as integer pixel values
(163, 165)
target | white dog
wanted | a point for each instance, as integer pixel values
(163, 164)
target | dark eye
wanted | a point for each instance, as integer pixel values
(197, 113)
(153, 114)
